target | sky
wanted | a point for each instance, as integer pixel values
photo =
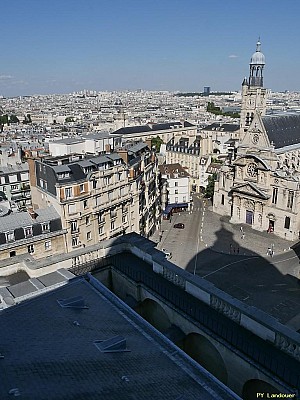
(62, 46)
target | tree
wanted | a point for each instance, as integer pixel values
(156, 143)
(209, 191)
(69, 119)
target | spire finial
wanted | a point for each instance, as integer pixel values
(258, 44)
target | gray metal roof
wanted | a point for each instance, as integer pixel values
(23, 219)
(61, 168)
(284, 129)
(49, 352)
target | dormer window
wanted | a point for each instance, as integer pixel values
(10, 236)
(28, 231)
(45, 227)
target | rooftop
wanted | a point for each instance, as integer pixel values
(89, 344)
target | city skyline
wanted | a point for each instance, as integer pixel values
(61, 47)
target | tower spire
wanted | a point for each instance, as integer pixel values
(257, 64)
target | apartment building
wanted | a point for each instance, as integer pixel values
(14, 183)
(100, 197)
(38, 233)
(177, 185)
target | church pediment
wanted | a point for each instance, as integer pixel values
(250, 190)
(256, 136)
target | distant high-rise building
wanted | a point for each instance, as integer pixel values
(206, 90)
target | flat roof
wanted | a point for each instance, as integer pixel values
(49, 351)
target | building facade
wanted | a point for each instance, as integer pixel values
(261, 186)
(100, 197)
(38, 233)
(14, 183)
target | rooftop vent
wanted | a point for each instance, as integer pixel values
(73, 302)
(116, 344)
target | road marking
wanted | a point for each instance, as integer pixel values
(227, 265)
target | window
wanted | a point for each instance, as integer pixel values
(101, 230)
(72, 208)
(81, 188)
(274, 196)
(68, 192)
(87, 220)
(184, 199)
(30, 249)
(14, 187)
(94, 184)
(101, 218)
(28, 231)
(223, 199)
(290, 199)
(112, 225)
(10, 236)
(176, 191)
(85, 204)
(98, 200)
(45, 227)
(47, 245)
(124, 219)
(287, 222)
(12, 178)
(176, 199)
(75, 241)
(175, 183)
(89, 236)
(74, 226)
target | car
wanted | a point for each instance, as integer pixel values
(179, 225)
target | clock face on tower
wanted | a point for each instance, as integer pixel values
(251, 170)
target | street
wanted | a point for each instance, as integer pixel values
(236, 260)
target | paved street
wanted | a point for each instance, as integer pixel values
(236, 260)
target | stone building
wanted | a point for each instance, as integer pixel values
(38, 233)
(100, 197)
(261, 186)
(165, 131)
(14, 183)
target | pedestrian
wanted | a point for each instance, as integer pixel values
(230, 248)
(269, 251)
(234, 250)
(243, 236)
(238, 250)
(241, 229)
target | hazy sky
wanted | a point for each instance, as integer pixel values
(60, 46)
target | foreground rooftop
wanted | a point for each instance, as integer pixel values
(82, 342)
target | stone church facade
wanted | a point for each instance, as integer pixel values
(261, 186)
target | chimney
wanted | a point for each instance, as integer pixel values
(32, 213)
(123, 153)
(32, 174)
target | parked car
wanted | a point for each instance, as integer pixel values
(179, 225)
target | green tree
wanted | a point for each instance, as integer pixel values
(4, 119)
(209, 191)
(156, 143)
(69, 119)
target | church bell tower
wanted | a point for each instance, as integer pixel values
(254, 96)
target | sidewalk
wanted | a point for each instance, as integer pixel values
(221, 236)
